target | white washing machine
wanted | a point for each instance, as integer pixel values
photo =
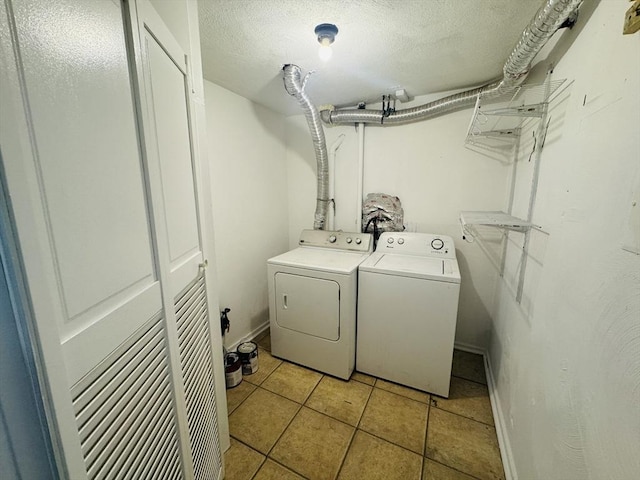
(407, 308)
(313, 299)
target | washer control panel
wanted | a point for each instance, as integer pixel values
(357, 242)
(422, 244)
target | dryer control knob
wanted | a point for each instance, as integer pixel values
(332, 239)
(390, 240)
(349, 240)
(400, 241)
(358, 241)
(437, 243)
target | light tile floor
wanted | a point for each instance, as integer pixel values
(290, 422)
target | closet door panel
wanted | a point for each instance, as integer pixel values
(89, 165)
(76, 179)
(175, 183)
(169, 98)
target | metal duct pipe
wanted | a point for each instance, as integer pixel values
(544, 24)
(295, 87)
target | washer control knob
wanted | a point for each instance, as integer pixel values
(332, 239)
(400, 241)
(390, 240)
(437, 244)
(349, 240)
(358, 241)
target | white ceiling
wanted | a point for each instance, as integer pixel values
(423, 46)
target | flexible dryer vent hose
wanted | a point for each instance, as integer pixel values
(295, 87)
(540, 29)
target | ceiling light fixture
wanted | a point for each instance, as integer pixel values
(326, 33)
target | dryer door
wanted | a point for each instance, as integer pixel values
(308, 305)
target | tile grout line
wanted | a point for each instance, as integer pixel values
(429, 405)
(408, 398)
(264, 460)
(455, 469)
(280, 464)
(251, 448)
(265, 378)
(426, 435)
(353, 434)
(366, 404)
(266, 455)
(287, 398)
(379, 437)
(359, 381)
(244, 400)
(469, 380)
(403, 395)
(355, 430)
(284, 430)
(300, 407)
(315, 387)
(441, 463)
(357, 427)
(468, 418)
(421, 454)
(389, 441)
(346, 452)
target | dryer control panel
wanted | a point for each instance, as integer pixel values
(419, 244)
(355, 242)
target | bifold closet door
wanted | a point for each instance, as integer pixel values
(175, 179)
(108, 231)
(75, 174)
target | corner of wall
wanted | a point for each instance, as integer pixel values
(502, 432)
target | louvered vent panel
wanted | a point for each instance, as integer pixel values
(197, 371)
(125, 414)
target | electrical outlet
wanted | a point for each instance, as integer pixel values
(632, 19)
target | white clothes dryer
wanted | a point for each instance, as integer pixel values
(407, 309)
(313, 299)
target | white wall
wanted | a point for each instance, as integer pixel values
(249, 184)
(175, 14)
(425, 164)
(567, 359)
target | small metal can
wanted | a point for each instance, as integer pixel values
(248, 352)
(232, 370)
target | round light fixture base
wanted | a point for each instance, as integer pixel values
(326, 33)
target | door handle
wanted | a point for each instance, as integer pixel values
(284, 301)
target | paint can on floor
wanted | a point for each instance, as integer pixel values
(248, 352)
(232, 370)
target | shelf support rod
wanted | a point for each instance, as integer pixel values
(540, 136)
(512, 192)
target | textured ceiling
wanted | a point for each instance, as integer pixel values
(423, 46)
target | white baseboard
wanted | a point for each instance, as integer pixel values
(500, 423)
(498, 416)
(467, 347)
(250, 336)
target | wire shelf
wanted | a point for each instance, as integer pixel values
(470, 219)
(497, 119)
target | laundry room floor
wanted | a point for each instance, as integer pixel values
(290, 422)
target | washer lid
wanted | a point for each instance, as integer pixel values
(440, 269)
(322, 259)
